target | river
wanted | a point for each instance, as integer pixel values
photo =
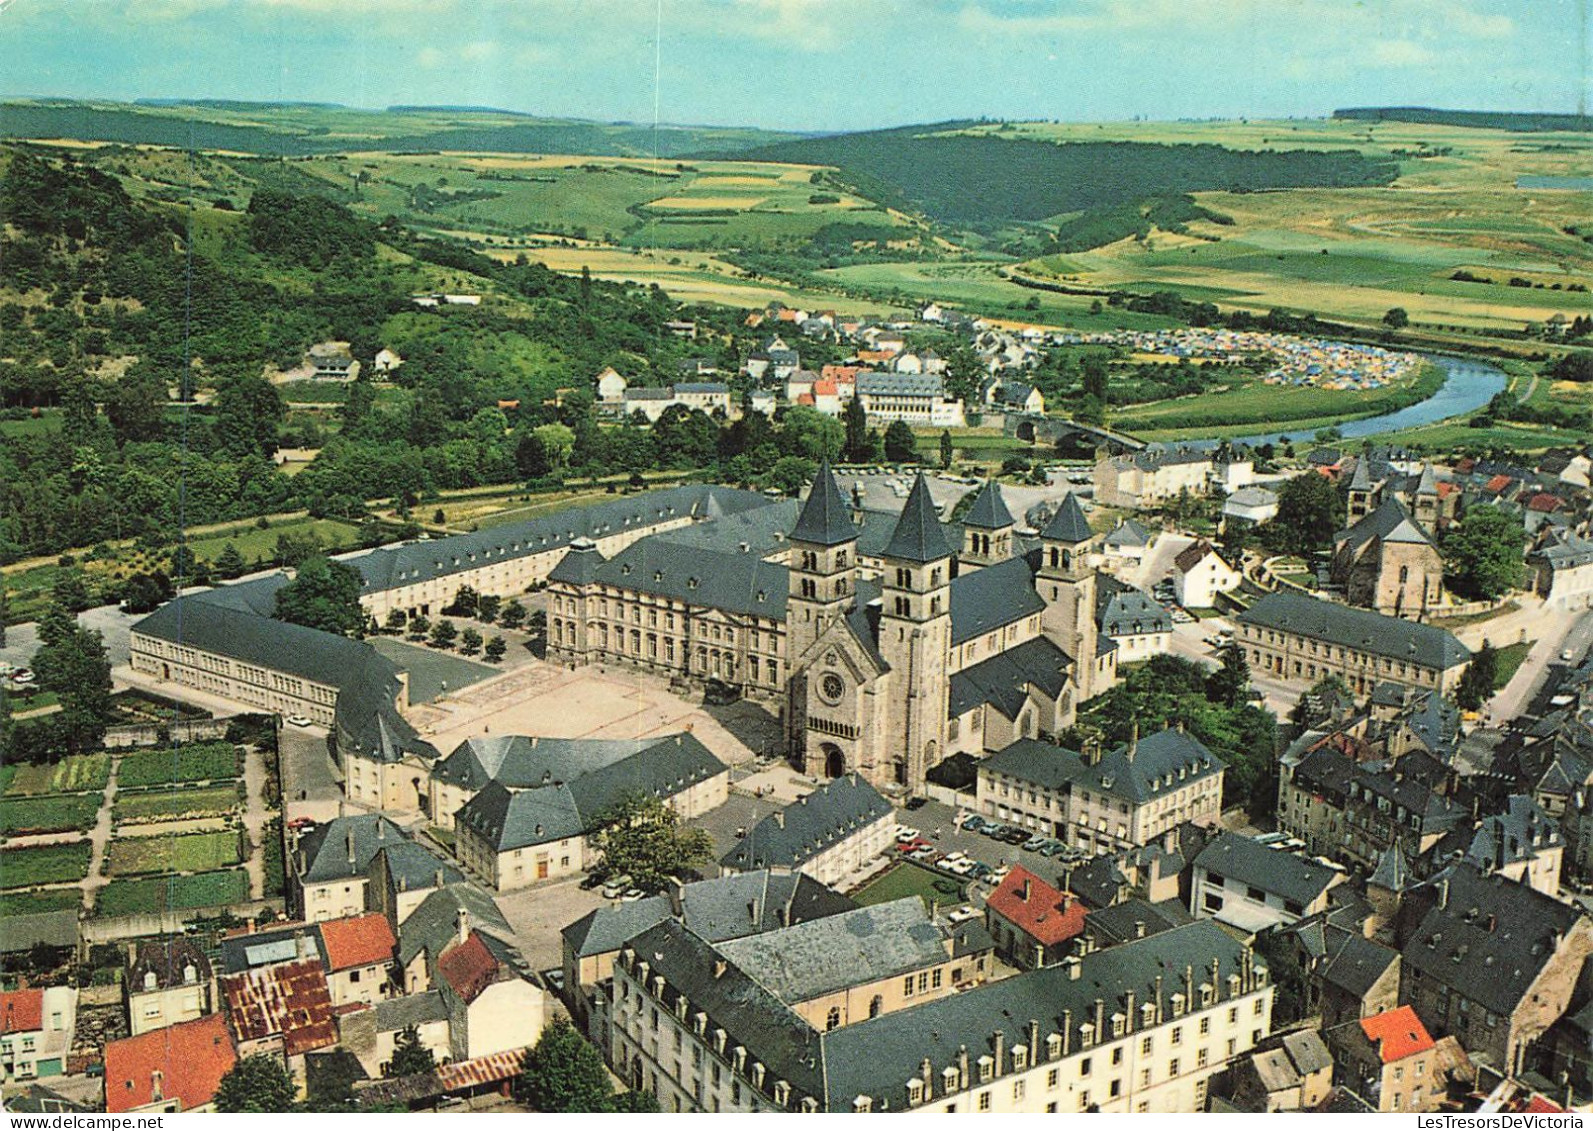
(1469, 384)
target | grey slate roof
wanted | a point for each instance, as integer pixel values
(1128, 533)
(918, 536)
(826, 518)
(1365, 631)
(434, 924)
(1122, 610)
(1390, 522)
(1121, 922)
(822, 956)
(522, 762)
(1357, 963)
(1003, 680)
(739, 583)
(716, 909)
(989, 510)
(997, 595)
(269, 947)
(877, 1057)
(412, 867)
(835, 811)
(1272, 870)
(395, 1014)
(1069, 523)
(1137, 772)
(579, 565)
(209, 626)
(43, 928)
(1490, 941)
(343, 847)
(1031, 760)
(900, 384)
(596, 780)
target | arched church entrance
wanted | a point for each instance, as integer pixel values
(834, 760)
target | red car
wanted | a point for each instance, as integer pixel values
(912, 845)
(301, 823)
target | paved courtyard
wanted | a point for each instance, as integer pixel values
(591, 702)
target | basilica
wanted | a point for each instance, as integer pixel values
(886, 643)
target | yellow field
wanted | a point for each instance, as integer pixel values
(697, 203)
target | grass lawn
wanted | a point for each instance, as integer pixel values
(57, 814)
(173, 893)
(254, 543)
(48, 864)
(202, 761)
(1510, 657)
(37, 902)
(174, 805)
(909, 879)
(76, 774)
(193, 852)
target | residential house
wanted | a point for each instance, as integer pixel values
(331, 361)
(1251, 504)
(1390, 1059)
(328, 868)
(1033, 923)
(1252, 886)
(1128, 540)
(828, 834)
(706, 396)
(918, 399)
(36, 1028)
(493, 1003)
(168, 981)
(177, 1068)
(610, 388)
(1200, 573)
(1139, 625)
(283, 1009)
(1294, 1074)
(359, 958)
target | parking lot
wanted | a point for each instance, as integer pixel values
(935, 824)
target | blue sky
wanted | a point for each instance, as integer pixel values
(815, 64)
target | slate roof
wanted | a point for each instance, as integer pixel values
(1003, 680)
(1518, 833)
(247, 950)
(1137, 772)
(510, 818)
(822, 956)
(579, 565)
(433, 925)
(826, 518)
(1031, 760)
(1390, 522)
(395, 1014)
(877, 1057)
(1123, 610)
(997, 595)
(522, 762)
(1365, 631)
(169, 958)
(832, 813)
(1490, 941)
(1272, 870)
(1121, 922)
(736, 582)
(900, 384)
(1128, 533)
(715, 910)
(918, 536)
(343, 847)
(1069, 523)
(1356, 963)
(989, 510)
(322, 657)
(412, 867)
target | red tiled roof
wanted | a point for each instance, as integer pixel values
(1537, 1105)
(824, 388)
(290, 999)
(364, 940)
(1544, 502)
(190, 1057)
(1398, 1033)
(1447, 488)
(22, 1011)
(841, 374)
(1041, 911)
(1497, 483)
(469, 967)
(805, 398)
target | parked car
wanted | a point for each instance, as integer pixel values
(616, 886)
(633, 895)
(299, 720)
(1053, 848)
(923, 854)
(305, 823)
(972, 823)
(915, 803)
(963, 914)
(1014, 835)
(913, 845)
(994, 831)
(1035, 843)
(980, 870)
(905, 833)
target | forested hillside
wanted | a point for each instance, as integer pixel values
(964, 179)
(1526, 121)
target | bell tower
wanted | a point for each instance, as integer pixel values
(1066, 583)
(987, 530)
(823, 565)
(915, 638)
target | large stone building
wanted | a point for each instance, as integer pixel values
(883, 676)
(1139, 1027)
(1386, 562)
(1301, 639)
(828, 834)
(1156, 475)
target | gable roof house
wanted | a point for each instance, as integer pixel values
(1033, 923)
(827, 834)
(177, 1068)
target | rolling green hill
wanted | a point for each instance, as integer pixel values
(963, 178)
(1520, 121)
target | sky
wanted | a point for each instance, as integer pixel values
(815, 64)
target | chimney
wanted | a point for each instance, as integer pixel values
(1001, 1052)
(752, 912)
(462, 926)
(1025, 894)
(1443, 893)
(1100, 1018)
(1067, 1030)
(381, 829)
(779, 818)
(677, 897)
(1158, 999)
(439, 877)
(342, 808)
(1139, 928)
(1133, 741)
(926, 1073)
(1034, 1042)
(962, 1067)
(1189, 987)
(349, 840)
(1128, 1009)
(1216, 978)
(720, 966)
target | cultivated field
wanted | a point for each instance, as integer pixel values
(174, 893)
(49, 814)
(78, 773)
(155, 805)
(191, 852)
(200, 762)
(47, 864)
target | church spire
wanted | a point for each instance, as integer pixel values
(989, 510)
(1069, 523)
(918, 536)
(825, 520)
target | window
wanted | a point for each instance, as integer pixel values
(1117, 1056)
(1084, 1100)
(1201, 1058)
(1145, 1078)
(1017, 1089)
(1178, 1034)
(1260, 1006)
(907, 986)
(934, 979)
(1052, 1078)
(1084, 1066)
(833, 1019)
(1116, 1089)
(876, 1005)
(1172, 1067)
(984, 1101)
(1145, 1046)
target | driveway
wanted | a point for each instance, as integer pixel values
(311, 784)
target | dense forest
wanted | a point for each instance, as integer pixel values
(963, 178)
(391, 131)
(1517, 120)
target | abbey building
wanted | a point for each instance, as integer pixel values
(887, 643)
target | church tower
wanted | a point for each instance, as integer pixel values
(1066, 583)
(915, 638)
(986, 530)
(823, 566)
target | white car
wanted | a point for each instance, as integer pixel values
(962, 914)
(299, 720)
(616, 887)
(633, 895)
(905, 833)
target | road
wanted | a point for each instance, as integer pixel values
(310, 782)
(1562, 634)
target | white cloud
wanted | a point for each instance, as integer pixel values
(1401, 53)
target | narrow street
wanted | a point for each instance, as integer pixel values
(100, 838)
